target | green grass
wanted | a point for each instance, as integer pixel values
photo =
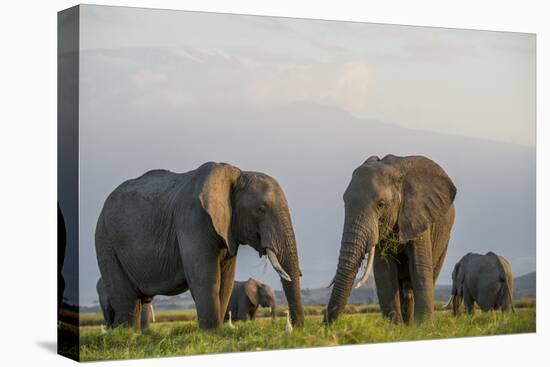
(184, 337)
(389, 243)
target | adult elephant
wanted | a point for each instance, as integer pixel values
(484, 279)
(399, 212)
(166, 233)
(147, 310)
(247, 297)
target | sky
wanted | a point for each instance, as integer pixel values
(309, 100)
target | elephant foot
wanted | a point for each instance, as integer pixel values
(395, 317)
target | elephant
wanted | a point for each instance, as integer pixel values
(399, 212)
(247, 297)
(484, 279)
(147, 310)
(164, 233)
(61, 247)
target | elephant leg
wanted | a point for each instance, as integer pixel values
(244, 306)
(421, 273)
(128, 312)
(146, 314)
(124, 301)
(227, 268)
(503, 300)
(107, 310)
(205, 290)
(487, 300)
(387, 286)
(407, 301)
(109, 316)
(202, 263)
(457, 304)
(468, 303)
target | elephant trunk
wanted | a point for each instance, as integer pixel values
(273, 308)
(358, 239)
(284, 258)
(349, 261)
(292, 288)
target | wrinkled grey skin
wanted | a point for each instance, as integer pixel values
(147, 310)
(414, 197)
(247, 297)
(484, 279)
(166, 233)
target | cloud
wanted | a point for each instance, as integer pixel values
(470, 97)
(345, 85)
(147, 78)
(188, 55)
(190, 77)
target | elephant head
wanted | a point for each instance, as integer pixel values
(260, 294)
(251, 208)
(394, 196)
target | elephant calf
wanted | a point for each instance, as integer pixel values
(484, 279)
(247, 297)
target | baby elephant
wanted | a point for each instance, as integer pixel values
(147, 311)
(247, 297)
(484, 279)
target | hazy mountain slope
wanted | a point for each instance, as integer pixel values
(524, 287)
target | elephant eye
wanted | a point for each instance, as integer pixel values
(262, 209)
(381, 204)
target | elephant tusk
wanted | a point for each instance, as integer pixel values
(277, 266)
(365, 276)
(448, 302)
(153, 312)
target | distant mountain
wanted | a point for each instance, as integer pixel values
(524, 287)
(312, 151)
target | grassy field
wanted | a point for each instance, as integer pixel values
(168, 337)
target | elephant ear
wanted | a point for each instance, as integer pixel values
(428, 193)
(251, 291)
(215, 198)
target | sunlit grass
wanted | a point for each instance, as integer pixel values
(184, 337)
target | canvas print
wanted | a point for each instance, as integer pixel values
(240, 183)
